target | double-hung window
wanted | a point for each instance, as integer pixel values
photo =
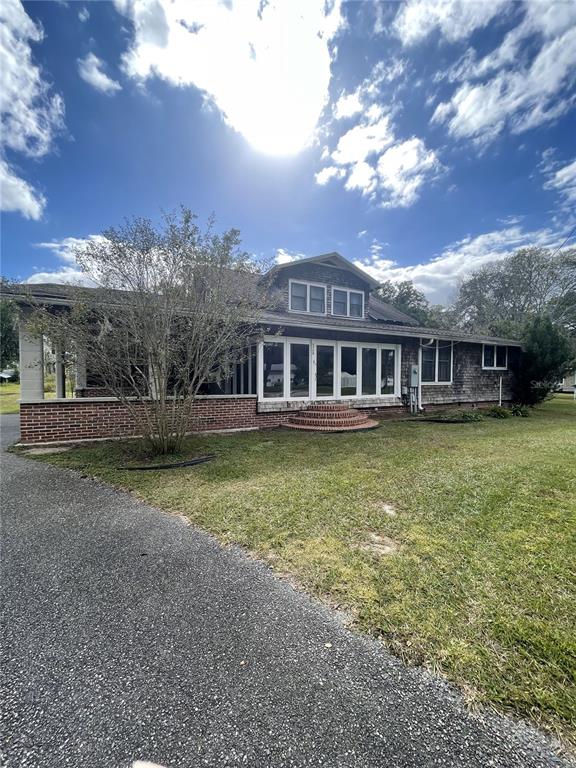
(437, 362)
(494, 357)
(305, 297)
(347, 303)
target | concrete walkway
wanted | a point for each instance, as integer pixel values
(129, 636)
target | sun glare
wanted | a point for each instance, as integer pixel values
(265, 66)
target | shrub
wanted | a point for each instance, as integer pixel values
(545, 359)
(498, 412)
(470, 416)
(517, 409)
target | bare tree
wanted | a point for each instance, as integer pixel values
(172, 308)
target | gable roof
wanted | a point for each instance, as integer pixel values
(332, 259)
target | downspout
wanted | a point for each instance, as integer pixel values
(419, 403)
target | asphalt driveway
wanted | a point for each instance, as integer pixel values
(128, 635)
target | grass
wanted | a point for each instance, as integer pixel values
(10, 394)
(482, 586)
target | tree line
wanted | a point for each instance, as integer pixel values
(529, 295)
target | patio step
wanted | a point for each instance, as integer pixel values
(330, 417)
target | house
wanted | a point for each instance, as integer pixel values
(568, 383)
(330, 340)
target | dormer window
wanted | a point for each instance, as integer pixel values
(307, 297)
(347, 303)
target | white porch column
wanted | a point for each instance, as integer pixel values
(80, 382)
(31, 363)
(60, 372)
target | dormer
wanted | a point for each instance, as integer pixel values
(326, 285)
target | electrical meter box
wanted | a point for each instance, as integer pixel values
(413, 375)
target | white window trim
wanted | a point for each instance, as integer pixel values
(347, 291)
(437, 383)
(337, 346)
(494, 367)
(308, 286)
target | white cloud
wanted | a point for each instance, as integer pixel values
(90, 69)
(64, 276)
(64, 250)
(84, 15)
(403, 169)
(439, 277)
(284, 256)
(522, 98)
(456, 19)
(18, 195)
(31, 114)
(326, 174)
(371, 160)
(362, 141)
(519, 84)
(347, 105)
(561, 178)
(266, 66)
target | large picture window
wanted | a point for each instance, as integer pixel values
(494, 357)
(306, 297)
(437, 362)
(347, 303)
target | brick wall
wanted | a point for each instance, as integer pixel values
(84, 419)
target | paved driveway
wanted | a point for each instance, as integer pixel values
(130, 636)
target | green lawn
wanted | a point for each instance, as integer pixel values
(10, 395)
(482, 585)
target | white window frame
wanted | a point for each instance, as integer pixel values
(308, 285)
(347, 291)
(337, 346)
(494, 367)
(437, 383)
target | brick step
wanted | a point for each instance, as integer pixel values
(305, 418)
(329, 415)
(367, 424)
(330, 407)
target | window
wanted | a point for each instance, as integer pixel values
(305, 297)
(368, 371)
(356, 304)
(347, 303)
(494, 357)
(299, 370)
(339, 302)
(324, 370)
(437, 362)
(348, 371)
(318, 299)
(273, 369)
(387, 369)
(308, 369)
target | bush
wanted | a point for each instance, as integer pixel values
(471, 416)
(498, 412)
(518, 409)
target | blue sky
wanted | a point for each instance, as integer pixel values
(418, 139)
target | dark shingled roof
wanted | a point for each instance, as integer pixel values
(383, 318)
